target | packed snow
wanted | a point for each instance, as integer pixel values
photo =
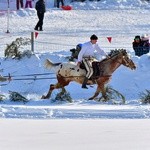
(63, 30)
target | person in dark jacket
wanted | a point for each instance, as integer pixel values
(141, 45)
(40, 7)
(60, 1)
(137, 45)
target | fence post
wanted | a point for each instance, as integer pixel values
(32, 41)
(8, 13)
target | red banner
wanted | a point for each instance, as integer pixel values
(109, 39)
(36, 34)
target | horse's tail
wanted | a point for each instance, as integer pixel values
(49, 64)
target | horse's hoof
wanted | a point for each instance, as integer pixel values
(91, 98)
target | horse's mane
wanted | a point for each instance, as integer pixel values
(116, 52)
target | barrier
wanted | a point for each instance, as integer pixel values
(54, 42)
(45, 42)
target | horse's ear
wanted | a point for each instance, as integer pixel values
(125, 50)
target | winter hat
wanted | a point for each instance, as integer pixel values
(137, 37)
(94, 37)
(145, 37)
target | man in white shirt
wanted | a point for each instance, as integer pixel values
(86, 55)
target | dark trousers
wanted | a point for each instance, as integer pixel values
(28, 4)
(39, 25)
(19, 2)
(60, 1)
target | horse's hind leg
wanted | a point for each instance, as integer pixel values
(52, 87)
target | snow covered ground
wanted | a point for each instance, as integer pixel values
(75, 134)
(81, 124)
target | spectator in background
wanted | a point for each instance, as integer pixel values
(145, 43)
(40, 7)
(28, 4)
(19, 2)
(137, 45)
(141, 45)
(60, 1)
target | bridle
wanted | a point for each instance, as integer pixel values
(127, 62)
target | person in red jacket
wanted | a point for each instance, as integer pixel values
(19, 2)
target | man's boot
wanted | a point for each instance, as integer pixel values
(84, 83)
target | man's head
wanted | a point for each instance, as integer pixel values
(137, 39)
(93, 39)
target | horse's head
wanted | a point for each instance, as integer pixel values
(126, 61)
(123, 58)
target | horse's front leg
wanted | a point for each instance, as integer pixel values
(104, 95)
(101, 89)
(96, 93)
(52, 87)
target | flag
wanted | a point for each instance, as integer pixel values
(36, 34)
(109, 39)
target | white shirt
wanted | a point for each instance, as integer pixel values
(88, 50)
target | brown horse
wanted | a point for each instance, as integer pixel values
(68, 72)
